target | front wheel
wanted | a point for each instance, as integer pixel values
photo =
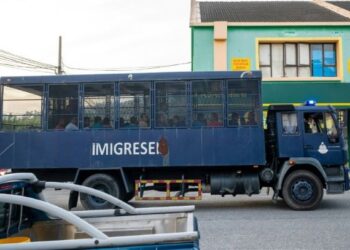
(302, 190)
(104, 183)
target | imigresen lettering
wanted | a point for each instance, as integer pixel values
(125, 148)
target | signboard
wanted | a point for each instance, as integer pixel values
(240, 64)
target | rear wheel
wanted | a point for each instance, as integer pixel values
(302, 190)
(104, 183)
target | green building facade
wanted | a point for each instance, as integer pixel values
(302, 48)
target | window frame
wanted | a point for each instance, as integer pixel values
(42, 107)
(297, 131)
(338, 48)
(114, 98)
(242, 111)
(219, 112)
(78, 100)
(151, 109)
(156, 108)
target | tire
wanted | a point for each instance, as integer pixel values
(302, 190)
(102, 182)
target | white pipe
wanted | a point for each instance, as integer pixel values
(93, 192)
(115, 201)
(31, 178)
(95, 213)
(18, 177)
(54, 211)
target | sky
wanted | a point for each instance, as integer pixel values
(97, 33)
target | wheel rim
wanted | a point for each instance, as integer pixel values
(101, 187)
(302, 190)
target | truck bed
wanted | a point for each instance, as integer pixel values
(153, 224)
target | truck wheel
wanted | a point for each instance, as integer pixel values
(102, 182)
(302, 190)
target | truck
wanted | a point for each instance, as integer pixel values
(170, 136)
(28, 221)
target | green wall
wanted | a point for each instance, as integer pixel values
(241, 40)
(202, 49)
(335, 93)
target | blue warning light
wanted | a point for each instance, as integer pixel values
(310, 103)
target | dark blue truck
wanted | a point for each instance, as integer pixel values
(181, 133)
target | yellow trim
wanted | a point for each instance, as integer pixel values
(318, 104)
(276, 79)
(272, 24)
(298, 39)
(339, 55)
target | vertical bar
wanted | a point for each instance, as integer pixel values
(167, 189)
(189, 103)
(1, 104)
(81, 109)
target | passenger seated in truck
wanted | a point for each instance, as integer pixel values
(144, 121)
(249, 118)
(200, 121)
(235, 119)
(310, 125)
(86, 122)
(72, 125)
(97, 122)
(177, 121)
(162, 120)
(133, 122)
(106, 123)
(214, 120)
(61, 124)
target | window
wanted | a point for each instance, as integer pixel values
(171, 104)
(298, 59)
(99, 106)
(290, 124)
(22, 107)
(63, 107)
(342, 116)
(314, 123)
(207, 103)
(242, 101)
(332, 131)
(135, 105)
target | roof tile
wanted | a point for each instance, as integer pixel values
(267, 11)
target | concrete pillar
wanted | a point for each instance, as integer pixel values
(220, 46)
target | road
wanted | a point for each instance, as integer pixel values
(256, 223)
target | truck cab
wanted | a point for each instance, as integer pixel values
(303, 141)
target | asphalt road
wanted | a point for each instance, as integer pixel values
(256, 223)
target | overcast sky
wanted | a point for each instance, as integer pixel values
(97, 33)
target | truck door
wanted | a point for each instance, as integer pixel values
(290, 141)
(321, 139)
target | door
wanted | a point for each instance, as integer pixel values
(321, 138)
(290, 140)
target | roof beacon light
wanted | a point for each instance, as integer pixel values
(310, 103)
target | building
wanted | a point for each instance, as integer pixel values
(301, 47)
